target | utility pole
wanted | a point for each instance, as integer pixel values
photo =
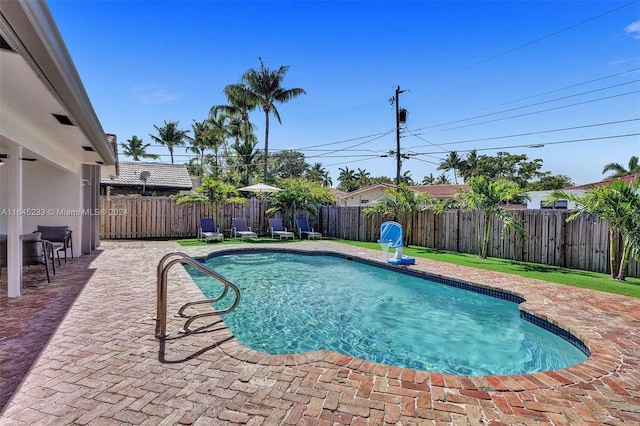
(396, 99)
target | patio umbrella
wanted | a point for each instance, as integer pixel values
(259, 188)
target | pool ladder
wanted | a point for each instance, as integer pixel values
(163, 270)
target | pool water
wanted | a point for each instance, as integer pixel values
(293, 303)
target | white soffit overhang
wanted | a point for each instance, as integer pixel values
(37, 80)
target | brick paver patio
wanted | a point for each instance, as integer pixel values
(83, 351)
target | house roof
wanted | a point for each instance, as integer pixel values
(629, 178)
(440, 191)
(367, 189)
(160, 175)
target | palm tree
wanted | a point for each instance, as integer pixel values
(406, 178)
(400, 204)
(442, 180)
(213, 192)
(469, 166)
(201, 141)
(487, 196)
(170, 136)
(137, 149)
(247, 155)
(347, 179)
(264, 88)
(219, 132)
(619, 204)
(634, 168)
(428, 180)
(318, 173)
(363, 177)
(451, 162)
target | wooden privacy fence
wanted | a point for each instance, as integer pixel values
(161, 217)
(580, 244)
(550, 240)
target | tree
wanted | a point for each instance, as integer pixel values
(442, 180)
(263, 87)
(246, 162)
(363, 177)
(406, 178)
(347, 180)
(288, 164)
(219, 132)
(451, 162)
(548, 182)
(318, 173)
(201, 141)
(428, 180)
(298, 194)
(213, 192)
(619, 204)
(486, 196)
(170, 136)
(400, 204)
(469, 166)
(137, 149)
(634, 168)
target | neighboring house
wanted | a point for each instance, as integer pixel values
(440, 192)
(537, 198)
(339, 194)
(52, 145)
(137, 177)
(366, 196)
(370, 195)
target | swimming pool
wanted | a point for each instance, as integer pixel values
(294, 303)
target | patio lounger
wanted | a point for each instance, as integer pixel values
(241, 229)
(304, 229)
(276, 230)
(208, 230)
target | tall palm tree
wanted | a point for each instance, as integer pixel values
(634, 168)
(170, 136)
(442, 180)
(137, 149)
(487, 196)
(451, 162)
(201, 141)
(264, 88)
(406, 178)
(218, 123)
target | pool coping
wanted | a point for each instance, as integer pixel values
(603, 360)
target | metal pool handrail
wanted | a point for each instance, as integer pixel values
(161, 307)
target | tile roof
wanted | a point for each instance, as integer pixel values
(440, 191)
(160, 175)
(629, 178)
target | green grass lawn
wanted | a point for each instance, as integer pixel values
(572, 277)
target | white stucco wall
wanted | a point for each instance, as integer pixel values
(55, 197)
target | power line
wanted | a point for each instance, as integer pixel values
(529, 145)
(530, 105)
(543, 110)
(506, 52)
(520, 134)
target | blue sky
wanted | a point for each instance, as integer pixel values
(477, 74)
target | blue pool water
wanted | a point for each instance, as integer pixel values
(293, 303)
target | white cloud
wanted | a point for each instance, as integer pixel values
(153, 95)
(633, 29)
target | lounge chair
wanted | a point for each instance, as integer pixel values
(60, 237)
(208, 230)
(241, 229)
(276, 230)
(304, 229)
